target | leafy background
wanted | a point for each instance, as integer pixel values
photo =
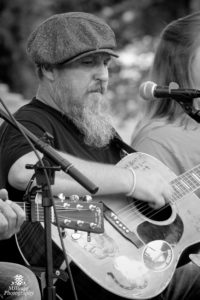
(137, 25)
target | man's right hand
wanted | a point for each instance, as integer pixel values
(152, 188)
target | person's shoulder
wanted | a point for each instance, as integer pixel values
(156, 131)
(155, 128)
(31, 106)
(34, 111)
(162, 128)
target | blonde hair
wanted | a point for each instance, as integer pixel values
(172, 63)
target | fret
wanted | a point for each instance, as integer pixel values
(186, 183)
(186, 186)
(191, 181)
(195, 172)
(33, 208)
(37, 212)
(197, 178)
(25, 207)
(194, 180)
(34, 211)
(194, 177)
(178, 193)
(181, 186)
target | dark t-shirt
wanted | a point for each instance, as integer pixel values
(39, 119)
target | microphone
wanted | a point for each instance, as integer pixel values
(151, 91)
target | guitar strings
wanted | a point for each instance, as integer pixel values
(39, 212)
(141, 205)
(127, 209)
(138, 207)
(182, 187)
(177, 195)
(141, 208)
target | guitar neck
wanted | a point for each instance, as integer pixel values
(186, 183)
(77, 215)
(33, 211)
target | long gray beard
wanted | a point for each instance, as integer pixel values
(97, 128)
(92, 118)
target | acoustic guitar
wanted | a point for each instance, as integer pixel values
(138, 252)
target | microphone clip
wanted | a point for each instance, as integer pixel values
(39, 170)
(45, 164)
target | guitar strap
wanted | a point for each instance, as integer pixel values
(120, 144)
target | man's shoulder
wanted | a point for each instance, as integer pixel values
(33, 106)
(35, 112)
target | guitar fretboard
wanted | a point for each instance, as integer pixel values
(186, 183)
(33, 211)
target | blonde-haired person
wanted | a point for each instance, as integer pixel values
(166, 130)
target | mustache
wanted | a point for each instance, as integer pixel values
(102, 89)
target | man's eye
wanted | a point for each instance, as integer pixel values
(107, 62)
(87, 62)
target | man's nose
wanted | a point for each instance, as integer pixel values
(101, 73)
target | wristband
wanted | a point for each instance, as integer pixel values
(134, 183)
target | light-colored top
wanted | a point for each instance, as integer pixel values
(178, 147)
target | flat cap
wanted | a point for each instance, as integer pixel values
(69, 36)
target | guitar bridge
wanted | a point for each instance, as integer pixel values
(113, 219)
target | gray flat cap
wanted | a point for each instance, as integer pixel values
(69, 36)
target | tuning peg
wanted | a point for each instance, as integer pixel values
(66, 205)
(87, 198)
(88, 237)
(79, 206)
(74, 198)
(63, 233)
(67, 221)
(80, 223)
(92, 207)
(93, 225)
(61, 196)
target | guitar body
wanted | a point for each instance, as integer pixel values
(139, 251)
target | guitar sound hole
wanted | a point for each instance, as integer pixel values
(161, 214)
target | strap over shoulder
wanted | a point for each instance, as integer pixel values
(117, 140)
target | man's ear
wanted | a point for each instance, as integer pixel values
(48, 73)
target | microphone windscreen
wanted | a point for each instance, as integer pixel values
(146, 90)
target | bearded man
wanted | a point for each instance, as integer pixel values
(72, 53)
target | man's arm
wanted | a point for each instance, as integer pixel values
(11, 216)
(150, 185)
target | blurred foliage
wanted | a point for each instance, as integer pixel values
(137, 25)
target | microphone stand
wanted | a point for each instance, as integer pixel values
(195, 115)
(49, 290)
(187, 104)
(50, 156)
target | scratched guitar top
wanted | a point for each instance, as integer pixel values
(139, 267)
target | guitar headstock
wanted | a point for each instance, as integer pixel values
(79, 214)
